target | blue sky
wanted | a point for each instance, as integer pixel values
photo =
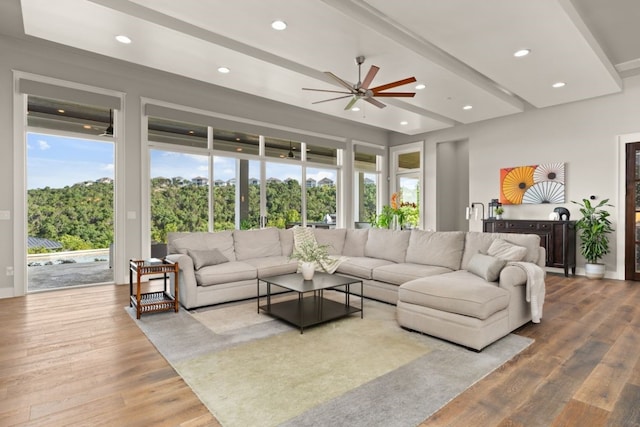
(56, 162)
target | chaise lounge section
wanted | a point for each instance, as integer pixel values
(458, 286)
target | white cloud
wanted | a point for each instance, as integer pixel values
(107, 167)
(43, 145)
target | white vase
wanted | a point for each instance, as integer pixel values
(395, 222)
(307, 269)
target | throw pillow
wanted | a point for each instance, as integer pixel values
(486, 266)
(507, 251)
(205, 258)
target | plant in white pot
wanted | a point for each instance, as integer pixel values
(310, 254)
(594, 228)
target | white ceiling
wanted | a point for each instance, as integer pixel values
(461, 49)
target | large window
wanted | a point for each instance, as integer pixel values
(179, 193)
(70, 193)
(204, 178)
(366, 187)
(407, 181)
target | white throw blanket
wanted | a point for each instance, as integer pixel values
(305, 234)
(535, 287)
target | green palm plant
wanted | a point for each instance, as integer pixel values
(594, 228)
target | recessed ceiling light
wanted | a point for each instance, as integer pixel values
(238, 149)
(558, 84)
(421, 86)
(61, 111)
(355, 109)
(522, 52)
(278, 25)
(191, 132)
(404, 123)
(467, 107)
(86, 126)
(223, 70)
(123, 39)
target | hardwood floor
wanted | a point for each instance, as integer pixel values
(582, 370)
(74, 357)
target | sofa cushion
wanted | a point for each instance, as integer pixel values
(354, 242)
(333, 238)
(257, 243)
(207, 257)
(477, 242)
(180, 243)
(398, 274)
(458, 292)
(361, 266)
(440, 248)
(486, 266)
(273, 265)
(233, 271)
(507, 251)
(387, 244)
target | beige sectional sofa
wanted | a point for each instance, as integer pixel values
(438, 285)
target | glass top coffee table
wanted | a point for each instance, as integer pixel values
(311, 307)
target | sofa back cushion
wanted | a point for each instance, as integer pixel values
(476, 242)
(286, 241)
(387, 244)
(439, 248)
(257, 243)
(333, 238)
(180, 243)
(354, 242)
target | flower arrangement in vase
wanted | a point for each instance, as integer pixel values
(397, 214)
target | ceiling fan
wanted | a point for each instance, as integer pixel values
(109, 130)
(361, 90)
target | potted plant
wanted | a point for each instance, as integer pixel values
(310, 254)
(594, 228)
(499, 212)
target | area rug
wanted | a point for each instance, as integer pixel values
(252, 370)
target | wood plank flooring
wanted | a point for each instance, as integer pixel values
(74, 357)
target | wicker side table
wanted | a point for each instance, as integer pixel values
(151, 302)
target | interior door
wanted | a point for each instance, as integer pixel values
(632, 213)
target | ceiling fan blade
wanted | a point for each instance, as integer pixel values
(325, 90)
(339, 80)
(396, 94)
(350, 104)
(393, 84)
(375, 102)
(370, 76)
(332, 99)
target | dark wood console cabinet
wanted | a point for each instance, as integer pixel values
(557, 237)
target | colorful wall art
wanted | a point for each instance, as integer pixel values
(542, 183)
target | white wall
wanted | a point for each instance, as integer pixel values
(51, 60)
(584, 135)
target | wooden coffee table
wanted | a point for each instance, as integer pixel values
(312, 308)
